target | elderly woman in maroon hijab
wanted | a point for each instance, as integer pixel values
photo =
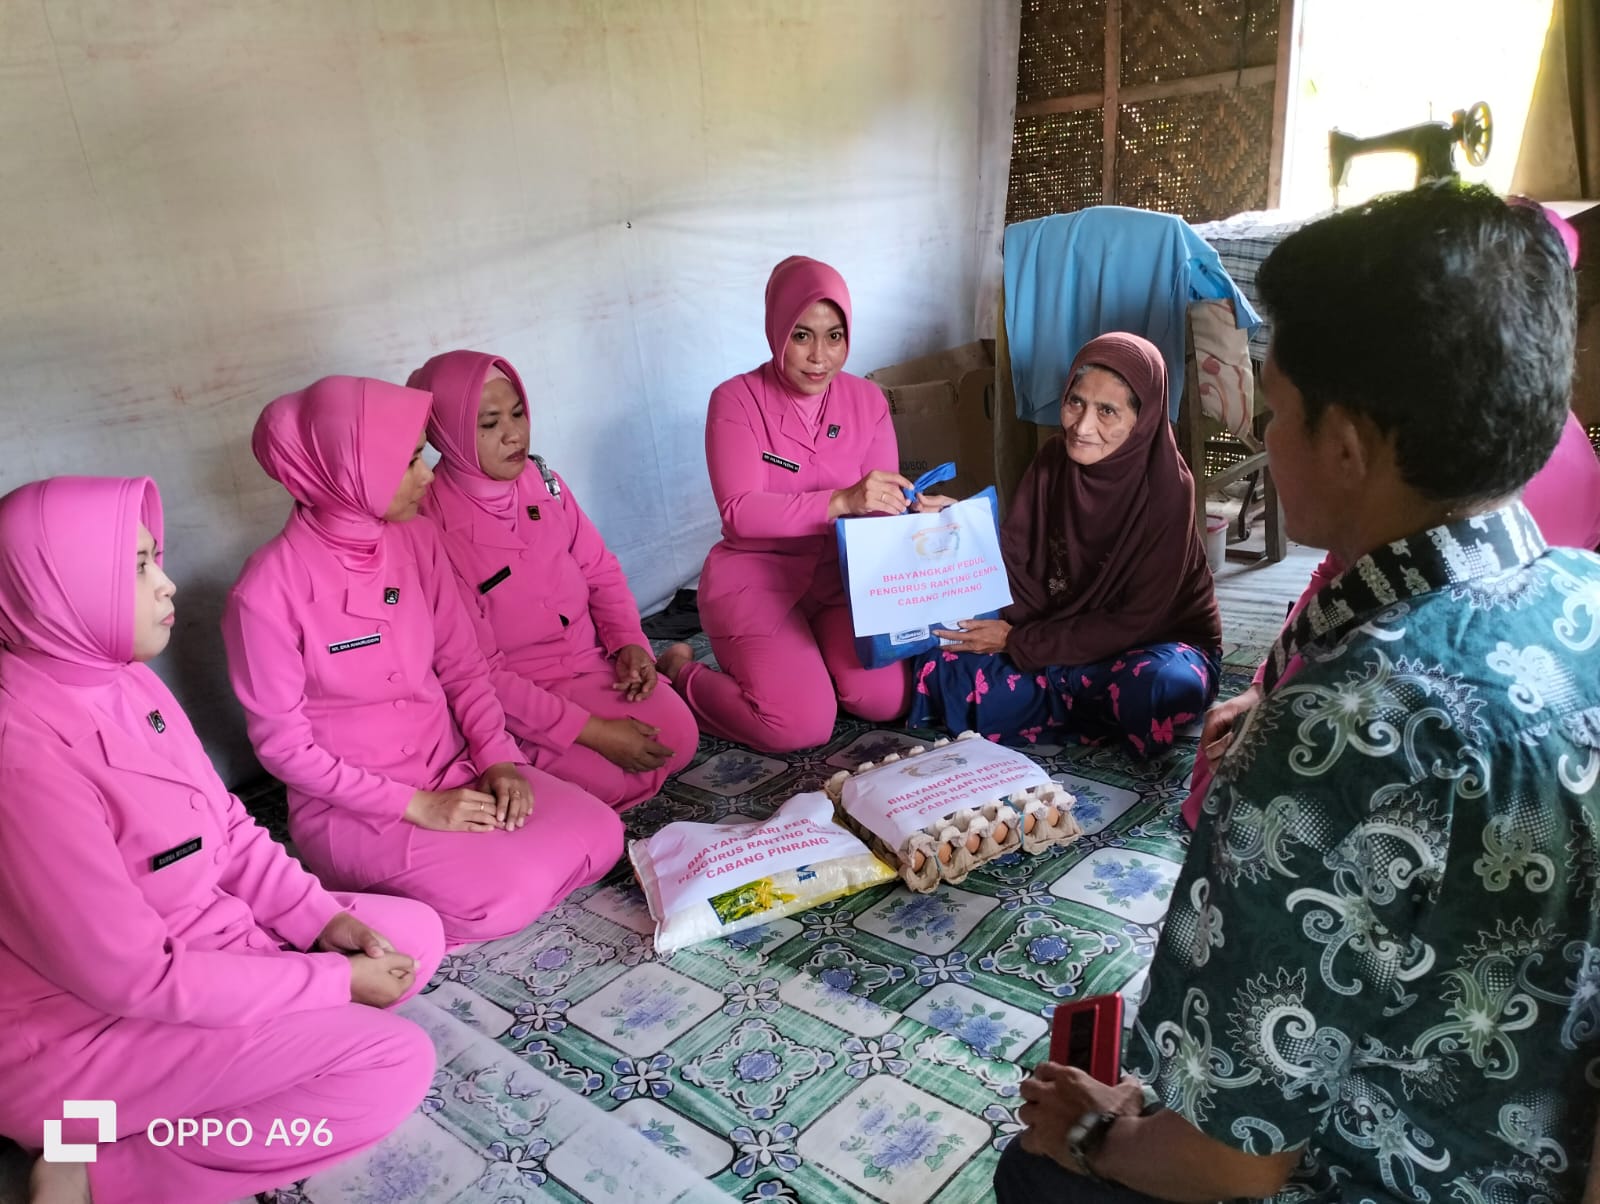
(1114, 634)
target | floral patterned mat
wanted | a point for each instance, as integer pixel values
(867, 1050)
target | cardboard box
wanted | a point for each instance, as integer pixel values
(943, 409)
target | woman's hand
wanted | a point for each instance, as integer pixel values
(1223, 719)
(379, 981)
(878, 492)
(976, 635)
(513, 794)
(378, 975)
(346, 934)
(636, 673)
(932, 503)
(626, 743)
(458, 810)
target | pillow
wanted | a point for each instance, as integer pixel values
(1226, 380)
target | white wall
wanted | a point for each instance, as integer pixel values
(206, 204)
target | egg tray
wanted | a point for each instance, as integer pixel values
(951, 847)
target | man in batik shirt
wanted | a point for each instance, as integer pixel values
(1380, 977)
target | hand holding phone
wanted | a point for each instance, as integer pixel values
(1088, 1034)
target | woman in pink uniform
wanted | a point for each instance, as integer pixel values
(569, 663)
(792, 446)
(367, 693)
(157, 949)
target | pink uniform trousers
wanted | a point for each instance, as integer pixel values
(358, 1070)
(781, 691)
(486, 885)
(355, 725)
(590, 689)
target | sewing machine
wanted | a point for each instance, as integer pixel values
(1432, 144)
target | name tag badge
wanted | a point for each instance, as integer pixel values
(485, 586)
(161, 860)
(391, 596)
(533, 513)
(157, 722)
(833, 430)
(365, 641)
(780, 461)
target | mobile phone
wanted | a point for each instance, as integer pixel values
(1088, 1034)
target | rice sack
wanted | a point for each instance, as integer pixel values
(938, 812)
(708, 880)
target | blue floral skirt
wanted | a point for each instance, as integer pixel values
(1142, 697)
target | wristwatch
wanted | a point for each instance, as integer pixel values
(1085, 1139)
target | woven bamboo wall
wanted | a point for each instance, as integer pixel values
(1055, 164)
(1061, 52)
(1203, 156)
(1173, 39)
(1194, 95)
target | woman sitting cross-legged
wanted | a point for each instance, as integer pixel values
(569, 663)
(365, 688)
(1114, 632)
(157, 949)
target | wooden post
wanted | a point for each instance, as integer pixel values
(1192, 429)
(1288, 35)
(1112, 102)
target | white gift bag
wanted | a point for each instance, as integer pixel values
(709, 880)
(908, 573)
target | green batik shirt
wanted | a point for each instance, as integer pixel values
(1384, 945)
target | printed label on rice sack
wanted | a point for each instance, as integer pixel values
(895, 800)
(726, 865)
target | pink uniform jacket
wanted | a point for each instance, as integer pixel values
(143, 913)
(358, 668)
(1564, 495)
(772, 479)
(530, 562)
(359, 691)
(139, 887)
(553, 595)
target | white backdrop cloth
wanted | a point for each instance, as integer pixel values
(209, 203)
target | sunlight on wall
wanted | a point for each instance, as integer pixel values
(1371, 66)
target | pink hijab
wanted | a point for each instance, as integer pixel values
(457, 380)
(341, 447)
(67, 572)
(1564, 495)
(795, 286)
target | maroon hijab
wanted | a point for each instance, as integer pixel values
(1111, 545)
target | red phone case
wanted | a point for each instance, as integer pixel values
(1088, 1034)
